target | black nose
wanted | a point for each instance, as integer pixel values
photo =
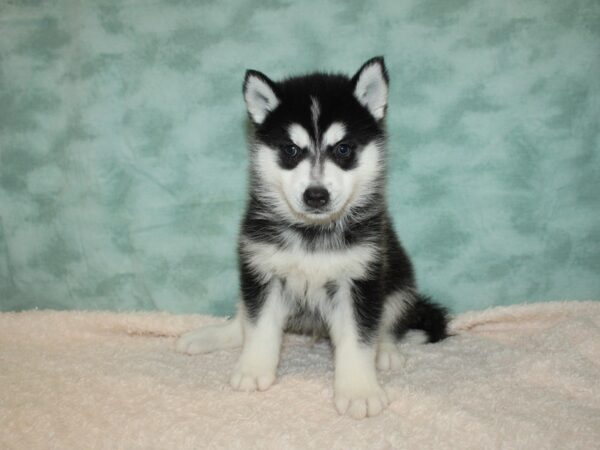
(316, 197)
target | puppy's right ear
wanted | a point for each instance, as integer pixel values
(260, 96)
(371, 86)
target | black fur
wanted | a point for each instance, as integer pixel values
(426, 316)
(252, 288)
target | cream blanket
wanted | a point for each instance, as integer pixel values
(519, 377)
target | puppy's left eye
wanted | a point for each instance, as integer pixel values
(342, 150)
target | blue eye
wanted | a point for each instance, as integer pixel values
(291, 150)
(343, 150)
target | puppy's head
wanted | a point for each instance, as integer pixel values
(318, 150)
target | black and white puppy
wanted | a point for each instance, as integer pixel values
(317, 250)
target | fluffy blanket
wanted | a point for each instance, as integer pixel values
(519, 377)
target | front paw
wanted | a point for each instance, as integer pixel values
(251, 380)
(360, 401)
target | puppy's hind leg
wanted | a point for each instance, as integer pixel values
(212, 337)
(388, 353)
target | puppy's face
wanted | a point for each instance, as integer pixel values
(318, 151)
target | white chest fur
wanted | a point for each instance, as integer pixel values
(306, 273)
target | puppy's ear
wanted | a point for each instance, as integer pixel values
(260, 96)
(371, 86)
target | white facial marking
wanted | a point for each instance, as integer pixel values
(282, 189)
(260, 98)
(299, 135)
(372, 90)
(352, 187)
(334, 134)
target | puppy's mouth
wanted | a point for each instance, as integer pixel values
(318, 216)
(317, 211)
(318, 219)
(313, 216)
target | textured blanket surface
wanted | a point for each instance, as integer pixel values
(514, 377)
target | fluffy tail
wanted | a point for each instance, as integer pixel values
(424, 315)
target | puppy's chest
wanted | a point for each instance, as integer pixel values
(310, 274)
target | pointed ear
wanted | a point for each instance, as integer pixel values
(260, 96)
(371, 86)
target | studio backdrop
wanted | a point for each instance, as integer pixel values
(123, 158)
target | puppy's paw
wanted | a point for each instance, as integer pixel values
(210, 338)
(389, 357)
(250, 381)
(202, 340)
(360, 401)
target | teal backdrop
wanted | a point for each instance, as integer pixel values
(123, 156)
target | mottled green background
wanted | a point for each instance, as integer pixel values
(122, 165)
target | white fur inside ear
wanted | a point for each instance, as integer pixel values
(260, 98)
(372, 90)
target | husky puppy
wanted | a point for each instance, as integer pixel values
(317, 250)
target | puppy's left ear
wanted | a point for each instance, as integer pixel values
(371, 86)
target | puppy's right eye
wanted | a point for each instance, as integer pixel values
(291, 151)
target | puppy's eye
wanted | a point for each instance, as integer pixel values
(291, 151)
(342, 150)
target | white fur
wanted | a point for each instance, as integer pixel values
(299, 136)
(395, 306)
(294, 183)
(357, 391)
(311, 270)
(257, 365)
(212, 337)
(372, 90)
(388, 352)
(260, 98)
(272, 181)
(334, 134)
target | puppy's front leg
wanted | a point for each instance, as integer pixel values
(263, 322)
(357, 391)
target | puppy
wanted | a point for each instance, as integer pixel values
(317, 250)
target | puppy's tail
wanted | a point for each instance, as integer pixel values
(423, 314)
